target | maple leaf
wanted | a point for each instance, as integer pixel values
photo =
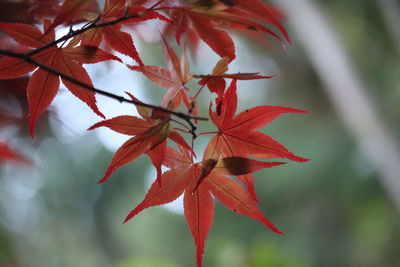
(258, 9)
(44, 8)
(178, 67)
(183, 178)
(115, 38)
(43, 86)
(159, 75)
(218, 40)
(70, 10)
(174, 77)
(237, 135)
(205, 17)
(150, 136)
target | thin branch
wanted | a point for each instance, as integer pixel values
(182, 130)
(200, 89)
(201, 76)
(204, 133)
(28, 59)
(194, 128)
(85, 28)
(156, 4)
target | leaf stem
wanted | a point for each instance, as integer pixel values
(182, 130)
(204, 133)
(156, 4)
(199, 91)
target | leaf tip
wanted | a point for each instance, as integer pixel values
(102, 180)
(133, 213)
(94, 126)
(106, 176)
(293, 157)
(300, 159)
(32, 126)
(279, 232)
(100, 114)
(303, 111)
(272, 227)
(126, 219)
(32, 133)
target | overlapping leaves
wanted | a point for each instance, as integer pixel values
(236, 143)
(183, 178)
(206, 17)
(68, 59)
(43, 86)
(150, 136)
(113, 35)
(237, 135)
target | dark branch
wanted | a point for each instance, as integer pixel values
(28, 59)
(92, 25)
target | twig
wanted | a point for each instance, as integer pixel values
(85, 28)
(28, 59)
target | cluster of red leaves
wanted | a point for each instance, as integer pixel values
(236, 142)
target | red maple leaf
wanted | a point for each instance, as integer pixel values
(187, 20)
(257, 10)
(183, 178)
(237, 135)
(174, 77)
(112, 34)
(205, 19)
(150, 136)
(43, 86)
(70, 10)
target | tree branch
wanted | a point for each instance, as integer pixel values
(28, 59)
(92, 25)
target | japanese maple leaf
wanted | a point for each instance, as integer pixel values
(174, 77)
(149, 133)
(237, 135)
(115, 38)
(187, 20)
(43, 86)
(71, 9)
(205, 17)
(256, 9)
(183, 178)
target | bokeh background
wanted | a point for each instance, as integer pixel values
(340, 209)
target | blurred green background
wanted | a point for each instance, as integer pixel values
(335, 210)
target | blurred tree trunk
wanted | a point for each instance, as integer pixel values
(346, 90)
